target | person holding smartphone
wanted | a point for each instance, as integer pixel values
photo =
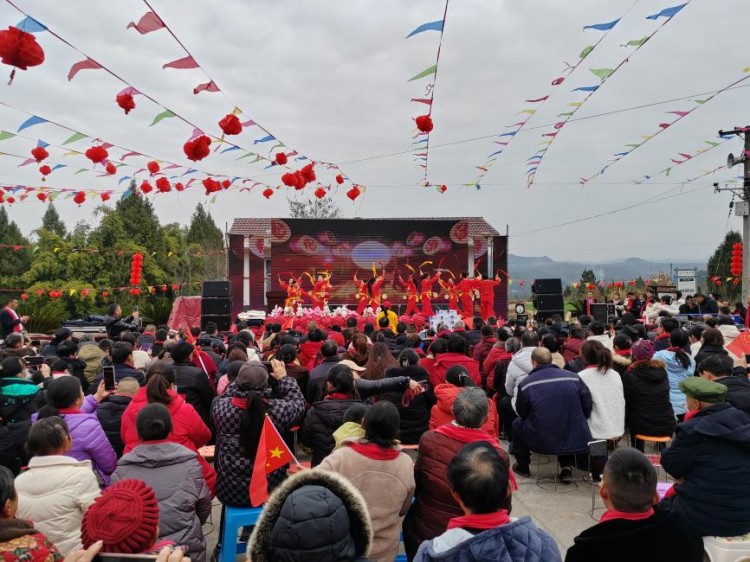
(115, 323)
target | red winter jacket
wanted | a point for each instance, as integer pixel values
(308, 351)
(441, 413)
(481, 350)
(445, 361)
(188, 429)
(572, 349)
(490, 362)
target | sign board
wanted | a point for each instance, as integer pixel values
(686, 281)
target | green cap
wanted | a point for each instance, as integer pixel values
(704, 390)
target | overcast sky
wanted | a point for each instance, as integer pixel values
(329, 79)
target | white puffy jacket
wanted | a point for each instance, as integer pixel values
(518, 369)
(54, 493)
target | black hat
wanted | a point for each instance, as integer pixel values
(181, 351)
(11, 367)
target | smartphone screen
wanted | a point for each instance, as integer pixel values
(109, 378)
(34, 360)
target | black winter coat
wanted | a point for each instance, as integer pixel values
(109, 413)
(711, 454)
(648, 409)
(707, 351)
(325, 417)
(663, 536)
(738, 392)
(415, 416)
(194, 385)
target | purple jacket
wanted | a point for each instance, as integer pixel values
(89, 440)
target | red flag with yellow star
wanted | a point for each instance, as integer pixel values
(271, 455)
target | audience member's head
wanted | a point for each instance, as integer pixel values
(541, 356)
(458, 375)
(629, 482)
(355, 413)
(471, 409)
(594, 353)
(702, 393)
(381, 424)
(49, 436)
(715, 367)
(62, 393)
(479, 478)
(122, 352)
(153, 422)
(127, 386)
(642, 350)
(340, 380)
(712, 336)
(160, 382)
(530, 339)
(408, 357)
(621, 342)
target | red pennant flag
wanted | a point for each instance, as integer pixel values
(271, 455)
(82, 65)
(207, 87)
(187, 62)
(148, 23)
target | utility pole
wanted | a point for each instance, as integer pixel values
(742, 209)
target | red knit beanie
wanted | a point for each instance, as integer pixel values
(125, 517)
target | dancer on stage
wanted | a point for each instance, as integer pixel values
(451, 293)
(487, 294)
(411, 293)
(321, 291)
(294, 292)
(466, 288)
(373, 288)
(426, 283)
(362, 296)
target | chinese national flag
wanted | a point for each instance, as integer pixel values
(272, 454)
(741, 345)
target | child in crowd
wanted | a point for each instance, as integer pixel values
(56, 489)
(352, 426)
(631, 529)
(19, 539)
(174, 474)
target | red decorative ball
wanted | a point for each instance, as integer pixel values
(339, 179)
(231, 125)
(281, 158)
(153, 167)
(424, 123)
(267, 192)
(97, 154)
(198, 148)
(39, 153)
(45, 170)
(126, 102)
(80, 197)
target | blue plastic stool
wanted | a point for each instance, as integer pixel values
(233, 519)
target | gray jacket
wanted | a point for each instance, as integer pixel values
(175, 475)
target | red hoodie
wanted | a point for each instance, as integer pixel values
(496, 354)
(441, 412)
(188, 429)
(445, 361)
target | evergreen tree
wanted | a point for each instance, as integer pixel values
(16, 256)
(718, 267)
(205, 245)
(52, 222)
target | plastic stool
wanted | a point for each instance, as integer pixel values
(233, 519)
(727, 549)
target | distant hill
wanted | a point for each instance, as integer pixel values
(530, 268)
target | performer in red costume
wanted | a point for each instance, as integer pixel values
(321, 291)
(466, 287)
(373, 287)
(426, 283)
(487, 294)
(362, 296)
(411, 293)
(294, 292)
(451, 293)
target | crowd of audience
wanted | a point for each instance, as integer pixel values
(74, 454)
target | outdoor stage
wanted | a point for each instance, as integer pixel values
(261, 250)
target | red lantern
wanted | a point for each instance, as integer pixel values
(339, 179)
(105, 294)
(281, 158)
(80, 197)
(42, 197)
(24, 296)
(424, 123)
(45, 170)
(175, 287)
(443, 188)
(179, 187)
(146, 187)
(288, 179)
(20, 49)
(85, 292)
(308, 173)
(267, 192)
(135, 292)
(97, 154)
(198, 148)
(105, 196)
(126, 102)
(211, 186)
(39, 153)
(353, 193)
(226, 184)
(153, 167)
(111, 169)
(736, 263)
(320, 193)
(230, 125)
(163, 185)
(10, 200)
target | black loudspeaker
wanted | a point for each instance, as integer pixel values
(548, 302)
(546, 287)
(223, 321)
(216, 289)
(215, 306)
(602, 312)
(542, 315)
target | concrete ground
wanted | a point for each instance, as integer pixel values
(563, 513)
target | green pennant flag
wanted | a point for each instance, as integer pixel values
(636, 42)
(245, 155)
(712, 143)
(586, 52)
(669, 171)
(74, 137)
(701, 101)
(163, 115)
(81, 170)
(6, 135)
(602, 73)
(425, 72)
(633, 145)
(566, 114)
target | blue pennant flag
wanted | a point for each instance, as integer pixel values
(30, 122)
(431, 26)
(229, 149)
(190, 171)
(622, 153)
(586, 89)
(41, 144)
(264, 139)
(602, 26)
(495, 153)
(58, 166)
(123, 179)
(508, 134)
(667, 12)
(30, 25)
